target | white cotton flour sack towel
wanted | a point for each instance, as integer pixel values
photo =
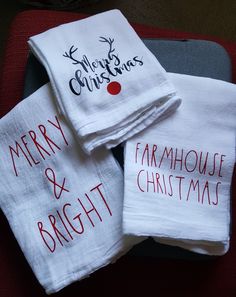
(178, 173)
(106, 81)
(64, 207)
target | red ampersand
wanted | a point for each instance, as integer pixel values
(50, 173)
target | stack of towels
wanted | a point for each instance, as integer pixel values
(69, 204)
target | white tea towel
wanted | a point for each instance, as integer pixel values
(106, 81)
(178, 173)
(64, 207)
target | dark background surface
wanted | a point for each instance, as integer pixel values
(213, 17)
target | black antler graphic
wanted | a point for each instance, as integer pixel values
(69, 55)
(110, 42)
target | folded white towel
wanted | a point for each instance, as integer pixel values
(106, 81)
(64, 207)
(178, 173)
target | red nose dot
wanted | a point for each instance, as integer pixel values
(114, 88)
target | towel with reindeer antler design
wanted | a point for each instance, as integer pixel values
(107, 83)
